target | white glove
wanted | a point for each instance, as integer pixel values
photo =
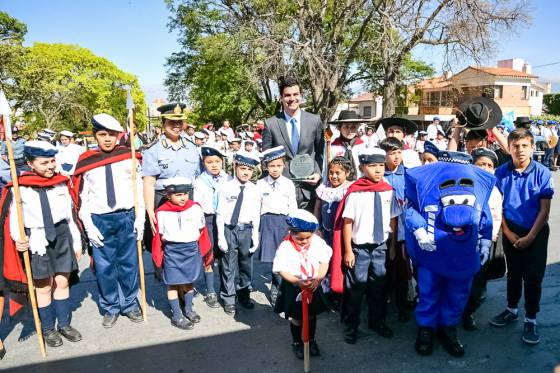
(222, 245)
(424, 240)
(95, 237)
(484, 250)
(253, 249)
(139, 229)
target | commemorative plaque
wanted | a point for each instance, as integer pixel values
(301, 167)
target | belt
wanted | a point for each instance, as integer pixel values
(241, 226)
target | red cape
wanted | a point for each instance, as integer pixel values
(12, 269)
(204, 244)
(360, 185)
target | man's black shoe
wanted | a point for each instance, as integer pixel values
(504, 318)
(109, 320)
(381, 328)
(52, 338)
(424, 341)
(182, 323)
(530, 335)
(70, 333)
(135, 315)
(450, 341)
(469, 323)
(247, 303)
(313, 348)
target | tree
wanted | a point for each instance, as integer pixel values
(12, 31)
(552, 102)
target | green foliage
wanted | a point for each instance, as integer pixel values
(12, 31)
(552, 102)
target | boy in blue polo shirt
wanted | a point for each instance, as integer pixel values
(527, 188)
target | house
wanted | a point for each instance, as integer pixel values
(511, 84)
(367, 105)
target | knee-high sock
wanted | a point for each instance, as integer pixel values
(176, 308)
(296, 333)
(62, 310)
(209, 276)
(312, 328)
(188, 301)
(46, 314)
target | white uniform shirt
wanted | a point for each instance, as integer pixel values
(440, 144)
(61, 209)
(203, 193)
(495, 204)
(181, 226)
(287, 259)
(68, 154)
(94, 191)
(277, 196)
(411, 158)
(359, 207)
(250, 208)
(433, 130)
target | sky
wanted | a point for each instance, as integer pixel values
(134, 35)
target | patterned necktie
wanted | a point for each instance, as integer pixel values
(378, 231)
(110, 186)
(237, 208)
(274, 185)
(295, 136)
(48, 222)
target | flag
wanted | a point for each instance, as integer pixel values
(5, 111)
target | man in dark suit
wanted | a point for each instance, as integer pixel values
(299, 132)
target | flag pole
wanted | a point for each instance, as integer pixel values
(5, 112)
(305, 330)
(131, 134)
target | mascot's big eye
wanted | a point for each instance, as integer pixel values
(447, 184)
(451, 201)
(466, 182)
(466, 201)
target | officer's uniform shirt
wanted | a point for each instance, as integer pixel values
(287, 259)
(181, 226)
(68, 154)
(396, 179)
(61, 209)
(250, 208)
(17, 147)
(278, 195)
(204, 194)
(165, 160)
(359, 207)
(523, 191)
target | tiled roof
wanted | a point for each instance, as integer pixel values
(366, 96)
(437, 82)
(503, 71)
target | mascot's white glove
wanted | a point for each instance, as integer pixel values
(484, 250)
(222, 245)
(424, 240)
(94, 236)
(139, 229)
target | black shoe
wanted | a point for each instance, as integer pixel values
(469, 324)
(313, 348)
(182, 323)
(212, 300)
(530, 335)
(297, 348)
(381, 328)
(247, 302)
(109, 320)
(193, 317)
(404, 316)
(70, 333)
(135, 316)
(273, 296)
(230, 309)
(350, 334)
(2, 352)
(504, 318)
(450, 341)
(52, 338)
(424, 341)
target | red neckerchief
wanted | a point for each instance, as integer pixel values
(204, 245)
(306, 268)
(340, 142)
(360, 185)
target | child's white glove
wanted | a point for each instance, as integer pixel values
(484, 250)
(424, 240)
(94, 236)
(253, 249)
(222, 245)
(139, 229)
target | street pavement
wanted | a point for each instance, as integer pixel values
(259, 341)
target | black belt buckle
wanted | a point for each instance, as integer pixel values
(243, 227)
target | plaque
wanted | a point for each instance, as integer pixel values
(301, 167)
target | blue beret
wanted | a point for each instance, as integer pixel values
(273, 153)
(177, 184)
(430, 148)
(208, 151)
(484, 152)
(34, 149)
(302, 221)
(372, 155)
(454, 157)
(244, 158)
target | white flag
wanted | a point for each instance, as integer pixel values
(6, 111)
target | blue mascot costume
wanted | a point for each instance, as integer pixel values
(448, 235)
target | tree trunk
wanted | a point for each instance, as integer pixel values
(389, 90)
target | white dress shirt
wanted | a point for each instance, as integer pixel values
(61, 209)
(288, 118)
(250, 208)
(287, 259)
(203, 193)
(68, 154)
(181, 226)
(278, 196)
(411, 158)
(433, 130)
(359, 207)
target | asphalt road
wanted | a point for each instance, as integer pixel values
(259, 341)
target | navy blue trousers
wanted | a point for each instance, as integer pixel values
(116, 263)
(442, 300)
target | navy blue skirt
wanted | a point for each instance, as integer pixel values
(182, 263)
(272, 231)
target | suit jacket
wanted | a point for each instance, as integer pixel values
(311, 138)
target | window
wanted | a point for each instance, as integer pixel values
(367, 112)
(498, 91)
(524, 93)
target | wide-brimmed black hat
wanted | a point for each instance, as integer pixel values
(523, 122)
(349, 116)
(480, 113)
(408, 126)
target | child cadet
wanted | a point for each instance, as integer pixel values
(179, 245)
(348, 144)
(302, 260)
(103, 184)
(278, 198)
(364, 220)
(68, 153)
(205, 192)
(527, 187)
(399, 128)
(237, 219)
(399, 271)
(54, 239)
